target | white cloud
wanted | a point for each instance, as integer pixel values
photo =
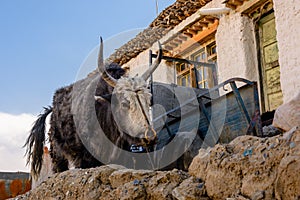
(14, 129)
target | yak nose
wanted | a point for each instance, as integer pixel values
(150, 135)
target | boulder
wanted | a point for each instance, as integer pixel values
(287, 115)
(190, 189)
(251, 167)
(287, 185)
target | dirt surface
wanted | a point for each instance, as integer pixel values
(247, 168)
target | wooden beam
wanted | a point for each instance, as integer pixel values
(191, 31)
(251, 5)
(187, 34)
(182, 37)
(177, 40)
(229, 5)
(197, 27)
(168, 47)
(197, 24)
(211, 17)
(237, 2)
(208, 20)
(203, 21)
(197, 38)
(173, 44)
(203, 24)
(203, 2)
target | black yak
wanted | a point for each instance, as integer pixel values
(81, 108)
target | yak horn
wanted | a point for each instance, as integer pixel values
(101, 67)
(153, 67)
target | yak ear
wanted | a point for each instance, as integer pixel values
(103, 98)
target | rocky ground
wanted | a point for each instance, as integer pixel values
(247, 168)
(252, 168)
(117, 182)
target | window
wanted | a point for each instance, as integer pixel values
(212, 52)
(185, 80)
(202, 73)
(185, 73)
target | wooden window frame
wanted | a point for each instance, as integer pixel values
(206, 79)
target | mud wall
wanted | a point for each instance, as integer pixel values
(13, 184)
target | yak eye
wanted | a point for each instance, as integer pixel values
(125, 104)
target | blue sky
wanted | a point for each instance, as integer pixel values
(42, 46)
(43, 43)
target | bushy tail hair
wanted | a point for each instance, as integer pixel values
(35, 143)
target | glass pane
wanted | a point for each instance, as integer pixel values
(183, 81)
(206, 84)
(182, 67)
(205, 75)
(200, 84)
(200, 74)
(214, 50)
(203, 56)
(188, 79)
(199, 56)
(178, 67)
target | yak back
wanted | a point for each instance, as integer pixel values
(76, 118)
(63, 137)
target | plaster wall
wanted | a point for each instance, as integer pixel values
(236, 45)
(214, 4)
(236, 48)
(164, 72)
(287, 18)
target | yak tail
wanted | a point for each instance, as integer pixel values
(35, 143)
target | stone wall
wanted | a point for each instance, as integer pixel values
(287, 16)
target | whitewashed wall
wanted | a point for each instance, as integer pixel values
(287, 16)
(138, 65)
(236, 48)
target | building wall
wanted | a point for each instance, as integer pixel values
(236, 45)
(287, 17)
(236, 48)
(13, 184)
(164, 73)
(237, 51)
